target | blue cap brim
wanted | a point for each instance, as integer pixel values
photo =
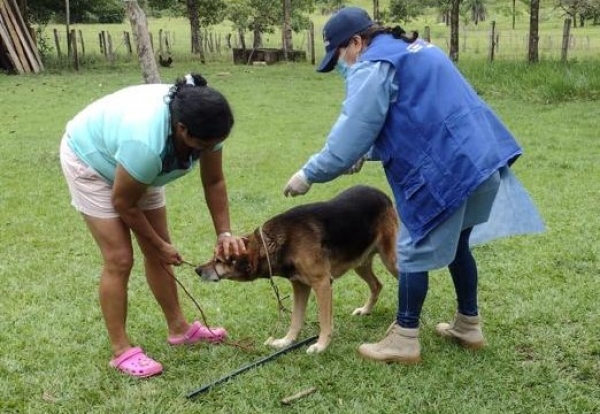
(328, 62)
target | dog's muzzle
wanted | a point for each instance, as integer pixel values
(208, 273)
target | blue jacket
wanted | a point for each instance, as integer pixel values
(439, 140)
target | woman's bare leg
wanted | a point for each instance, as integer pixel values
(159, 275)
(114, 240)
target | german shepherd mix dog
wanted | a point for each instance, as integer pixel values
(314, 244)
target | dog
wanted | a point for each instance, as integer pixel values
(312, 245)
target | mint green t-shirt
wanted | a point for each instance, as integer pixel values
(129, 127)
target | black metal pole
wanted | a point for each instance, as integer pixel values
(268, 358)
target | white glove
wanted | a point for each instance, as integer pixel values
(356, 167)
(297, 185)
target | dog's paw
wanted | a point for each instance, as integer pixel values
(316, 348)
(278, 343)
(362, 311)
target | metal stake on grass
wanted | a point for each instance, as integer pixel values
(268, 358)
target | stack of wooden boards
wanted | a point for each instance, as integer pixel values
(18, 50)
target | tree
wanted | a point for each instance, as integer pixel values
(330, 6)
(193, 16)
(262, 16)
(572, 8)
(580, 10)
(454, 25)
(139, 27)
(240, 12)
(477, 10)
(405, 10)
(288, 45)
(534, 37)
(80, 11)
(203, 13)
(444, 7)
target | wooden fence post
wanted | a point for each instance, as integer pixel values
(127, 41)
(493, 41)
(82, 52)
(160, 41)
(427, 34)
(103, 46)
(111, 54)
(311, 42)
(73, 47)
(565, 40)
(57, 43)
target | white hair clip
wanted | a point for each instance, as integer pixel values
(189, 79)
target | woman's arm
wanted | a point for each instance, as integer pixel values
(368, 96)
(215, 193)
(126, 193)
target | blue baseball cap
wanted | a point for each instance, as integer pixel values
(338, 30)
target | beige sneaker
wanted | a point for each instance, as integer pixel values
(399, 345)
(465, 329)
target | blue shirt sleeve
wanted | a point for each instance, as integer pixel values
(369, 91)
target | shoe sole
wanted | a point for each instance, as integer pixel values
(391, 360)
(473, 346)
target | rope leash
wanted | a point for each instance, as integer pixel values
(236, 344)
(280, 308)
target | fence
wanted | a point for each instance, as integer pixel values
(485, 41)
(492, 43)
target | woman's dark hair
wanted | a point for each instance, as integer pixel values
(376, 29)
(203, 110)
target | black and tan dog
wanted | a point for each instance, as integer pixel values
(313, 244)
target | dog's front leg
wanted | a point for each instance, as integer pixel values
(323, 291)
(301, 294)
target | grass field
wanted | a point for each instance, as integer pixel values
(538, 294)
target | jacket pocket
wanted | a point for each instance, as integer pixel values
(418, 201)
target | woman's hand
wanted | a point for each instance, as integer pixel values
(228, 245)
(297, 185)
(170, 255)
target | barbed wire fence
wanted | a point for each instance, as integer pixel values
(113, 43)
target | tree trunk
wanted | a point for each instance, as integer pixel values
(288, 45)
(242, 38)
(257, 36)
(534, 37)
(514, 12)
(454, 21)
(139, 27)
(194, 17)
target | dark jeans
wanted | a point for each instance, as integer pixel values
(412, 287)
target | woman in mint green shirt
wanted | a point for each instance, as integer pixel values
(117, 154)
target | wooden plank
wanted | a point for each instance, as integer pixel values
(27, 33)
(14, 38)
(7, 42)
(32, 50)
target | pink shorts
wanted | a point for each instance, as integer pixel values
(91, 194)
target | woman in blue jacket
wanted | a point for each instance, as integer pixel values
(444, 152)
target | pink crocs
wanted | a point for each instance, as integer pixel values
(197, 333)
(136, 363)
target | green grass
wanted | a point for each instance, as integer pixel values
(538, 294)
